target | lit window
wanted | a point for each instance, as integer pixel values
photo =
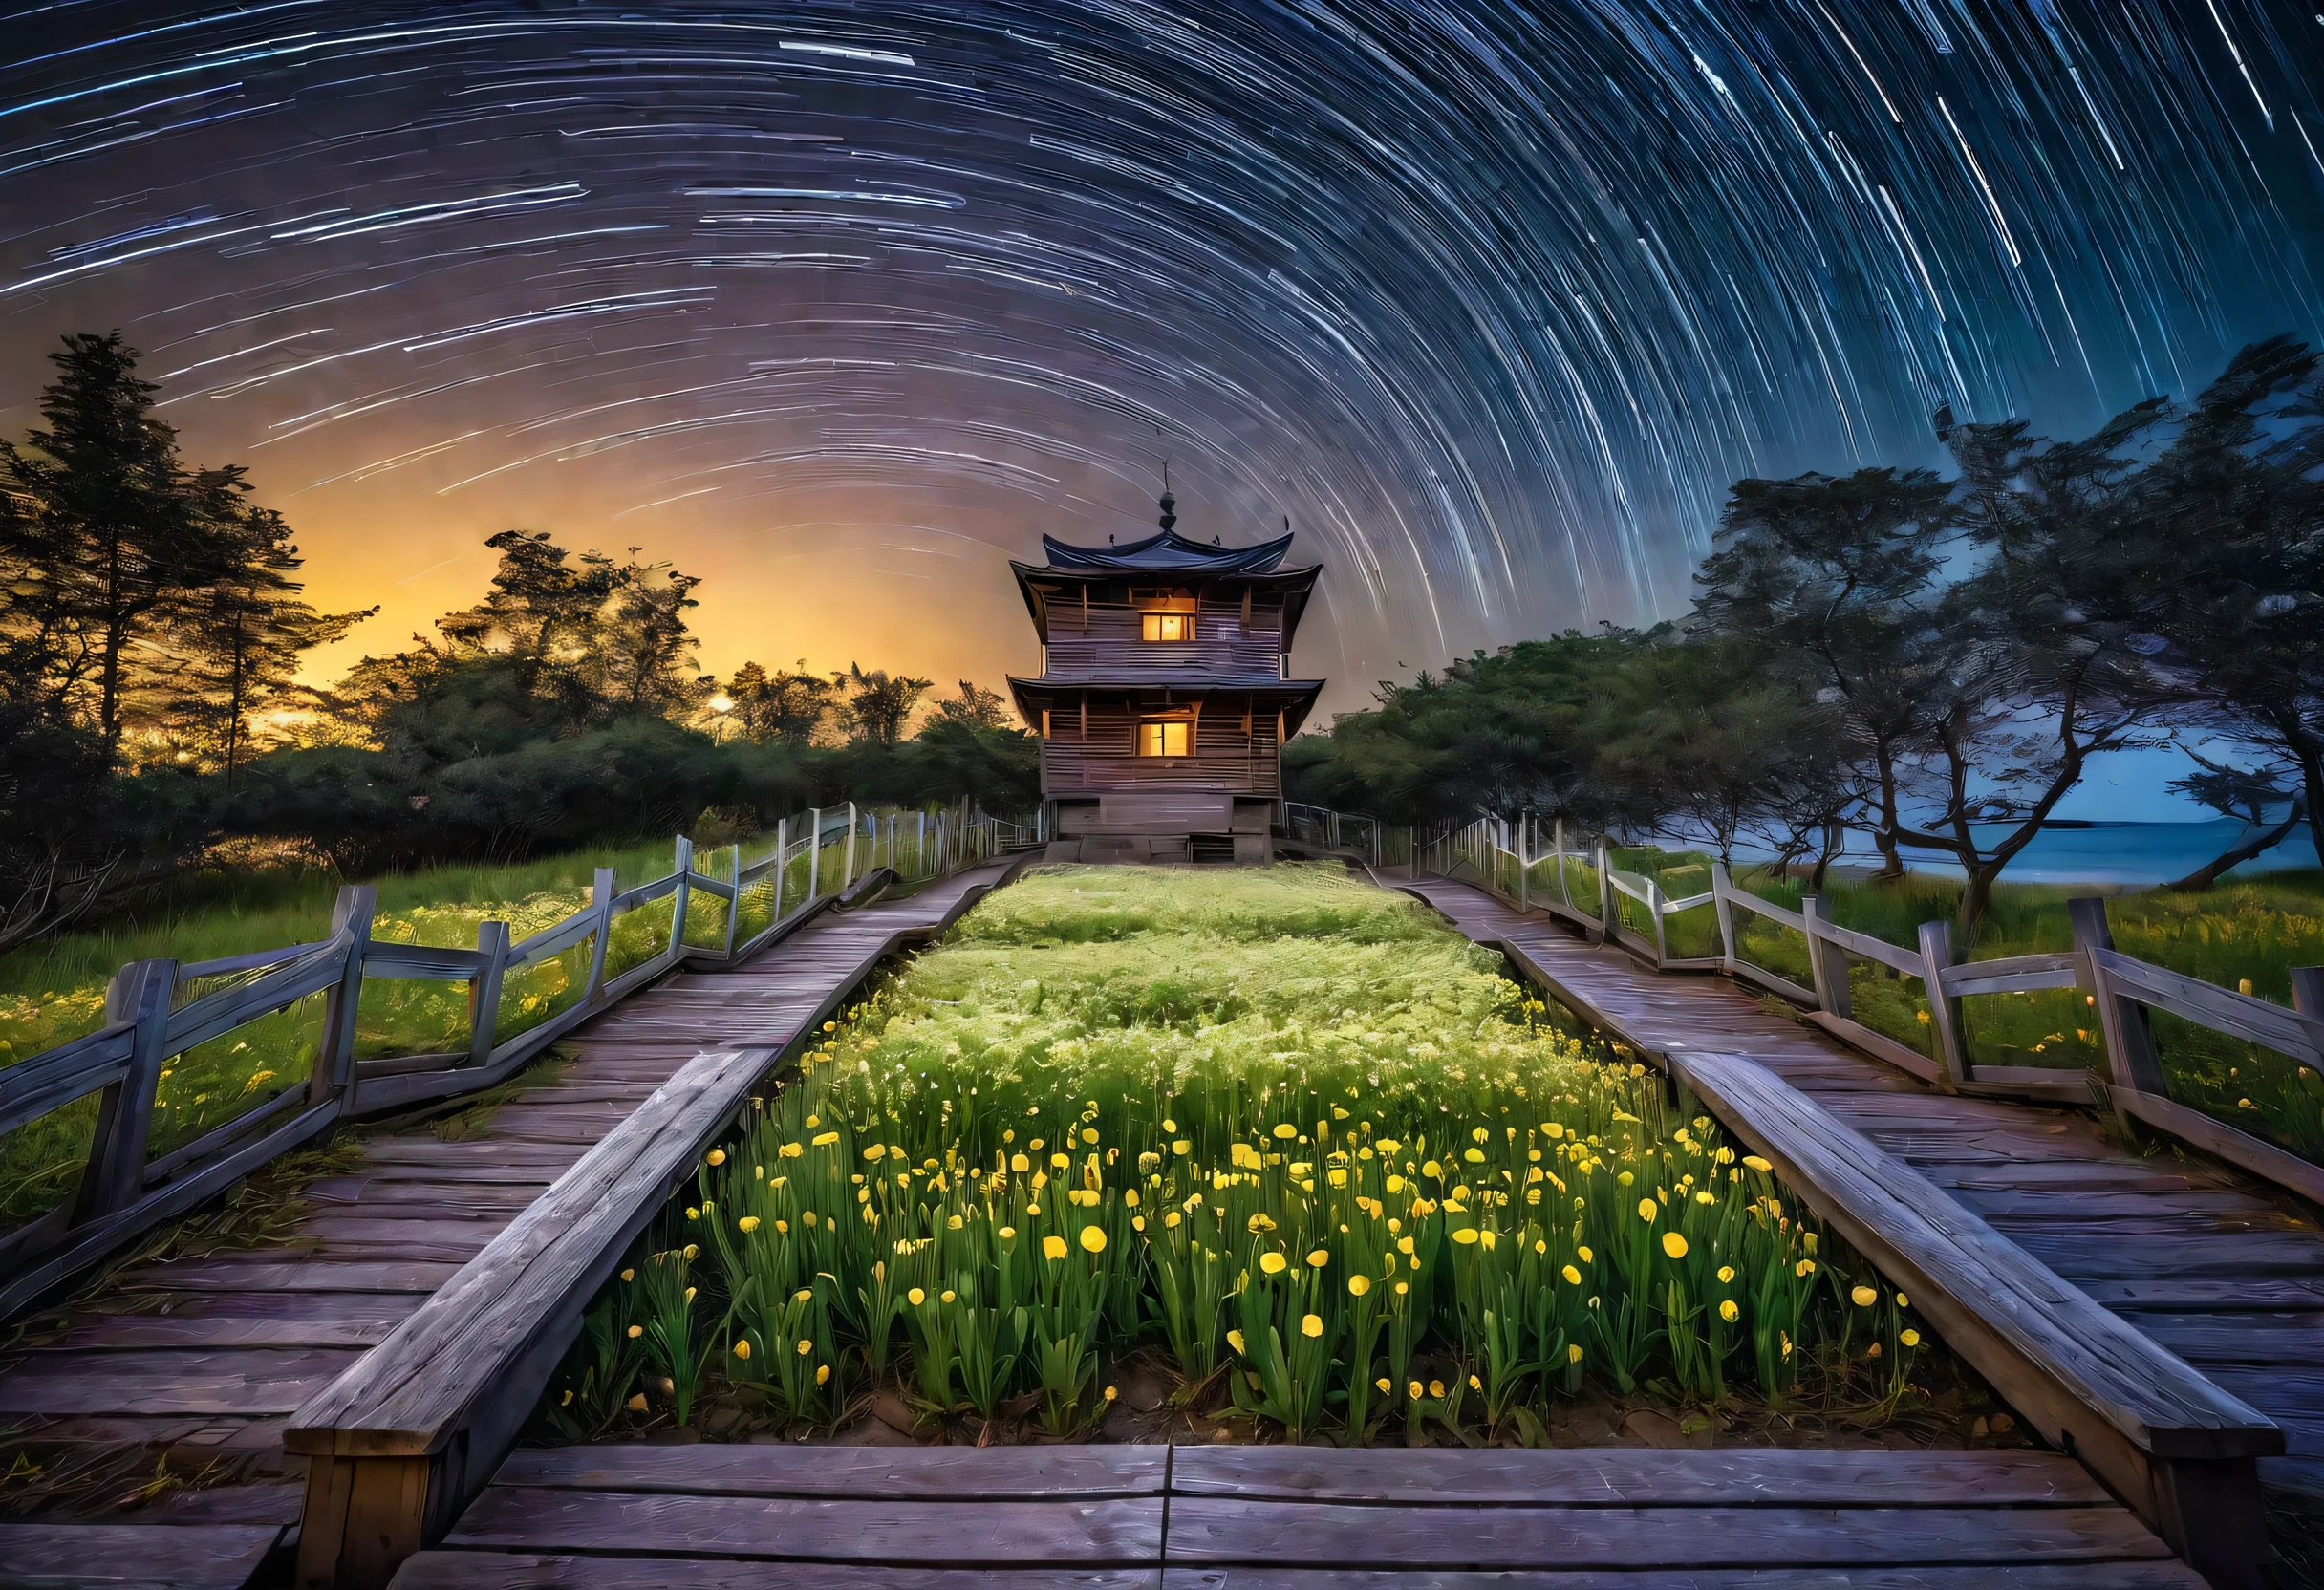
(1169, 626)
(1162, 740)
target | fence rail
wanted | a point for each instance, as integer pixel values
(1509, 858)
(156, 1011)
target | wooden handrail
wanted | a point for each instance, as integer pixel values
(121, 1192)
(2123, 988)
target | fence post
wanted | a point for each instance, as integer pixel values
(734, 907)
(1945, 1038)
(782, 861)
(1828, 962)
(1524, 863)
(679, 898)
(484, 990)
(814, 852)
(2308, 991)
(1723, 886)
(139, 994)
(600, 896)
(1654, 910)
(2130, 1042)
(1609, 911)
(334, 1055)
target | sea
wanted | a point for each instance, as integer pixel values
(2127, 853)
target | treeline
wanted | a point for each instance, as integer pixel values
(152, 627)
(1935, 660)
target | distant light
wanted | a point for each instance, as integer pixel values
(722, 702)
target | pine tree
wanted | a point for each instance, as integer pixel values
(240, 641)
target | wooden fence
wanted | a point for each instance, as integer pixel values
(156, 1011)
(1631, 910)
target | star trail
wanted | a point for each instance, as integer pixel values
(841, 306)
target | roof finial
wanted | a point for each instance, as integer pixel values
(1169, 504)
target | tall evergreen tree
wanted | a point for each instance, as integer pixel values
(240, 641)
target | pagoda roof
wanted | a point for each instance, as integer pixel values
(1166, 551)
(1296, 697)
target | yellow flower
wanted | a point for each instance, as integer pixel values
(741, 1350)
(1311, 1325)
(1359, 1284)
(1436, 1388)
(825, 1139)
(636, 1404)
(1587, 1257)
(1757, 1163)
(1903, 1301)
(1007, 1232)
(1573, 1353)
(1726, 1274)
(1319, 1258)
(805, 1347)
(1384, 1385)
(1466, 1235)
(694, 1214)
(1910, 1338)
(946, 1296)
(1168, 1125)
(1273, 1264)
(1414, 1389)
(915, 1296)
(628, 1275)
(1475, 1156)
(1020, 1164)
(1259, 1223)
(823, 1373)
(693, 1251)
(1432, 1168)
(1053, 1247)
(1137, 1222)
(1863, 1297)
(1647, 1208)
(1182, 1146)
(1476, 1385)
(1285, 1130)
(1111, 1393)
(1573, 1277)
(637, 1331)
(1674, 1245)
(717, 1156)
(1093, 1239)
(748, 1222)
(1729, 1312)
(1234, 1339)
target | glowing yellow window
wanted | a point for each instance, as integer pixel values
(1169, 626)
(1162, 740)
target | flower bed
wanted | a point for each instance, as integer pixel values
(1281, 1126)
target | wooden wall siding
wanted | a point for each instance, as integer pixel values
(1223, 646)
(1223, 758)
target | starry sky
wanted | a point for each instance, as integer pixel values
(841, 306)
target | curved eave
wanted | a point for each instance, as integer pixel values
(1297, 585)
(1295, 698)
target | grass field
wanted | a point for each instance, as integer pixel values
(1280, 1126)
(2243, 933)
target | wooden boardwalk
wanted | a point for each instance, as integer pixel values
(2219, 1268)
(1234, 1517)
(204, 1359)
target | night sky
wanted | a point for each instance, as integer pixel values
(841, 307)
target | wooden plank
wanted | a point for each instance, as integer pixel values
(1879, 1045)
(235, 1274)
(133, 1557)
(337, 1327)
(1224, 1529)
(936, 1473)
(2044, 1576)
(970, 1534)
(164, 1381)
(1616, 1476)
(445, 1570)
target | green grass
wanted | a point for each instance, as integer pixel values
(2243, 931)
(1280, 1126)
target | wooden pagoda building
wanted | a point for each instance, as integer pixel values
(1164, 694)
